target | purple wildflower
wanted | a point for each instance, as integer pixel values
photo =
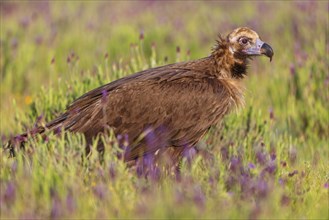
(148, 160)
(234, 164)
(326, 185)
(155, 173)
(139, 169)
(151, 139)
(104, 96)
(56, 207)
(246, 184)
(262, 188)
(20, 138)
(70, 201)
(100, 191)
(145, 166)
(199, 198)
(14, 167)
(261, 157)
(56, 211)
(281, 181)
(251, 166)
(58, 131)
(189, 154)
(271, 167)
(10, 193)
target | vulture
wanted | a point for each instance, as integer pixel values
(165, 109)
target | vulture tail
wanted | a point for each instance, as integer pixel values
(19, 140)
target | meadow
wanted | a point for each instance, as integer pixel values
(269, 160)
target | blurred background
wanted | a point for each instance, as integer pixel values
(271, 157)
(41, 41)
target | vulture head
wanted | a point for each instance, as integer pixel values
(244, 42)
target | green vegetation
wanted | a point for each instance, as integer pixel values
(270, 159)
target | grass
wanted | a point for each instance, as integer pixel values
(270, 159)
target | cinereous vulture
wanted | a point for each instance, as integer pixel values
(166, 108)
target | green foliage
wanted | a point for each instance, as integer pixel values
(267, 160)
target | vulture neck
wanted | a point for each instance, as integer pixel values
(228, 64)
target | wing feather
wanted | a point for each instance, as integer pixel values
(176, 105)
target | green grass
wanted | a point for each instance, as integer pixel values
(270, 159)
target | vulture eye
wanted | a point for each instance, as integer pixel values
(244, 40)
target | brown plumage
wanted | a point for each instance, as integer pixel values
(167, 108)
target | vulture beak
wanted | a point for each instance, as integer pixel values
(267, 51)
(260, 48)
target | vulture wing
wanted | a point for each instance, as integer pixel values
(173, 105)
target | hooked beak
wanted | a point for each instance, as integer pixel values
(267, 51)
(261, 48)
